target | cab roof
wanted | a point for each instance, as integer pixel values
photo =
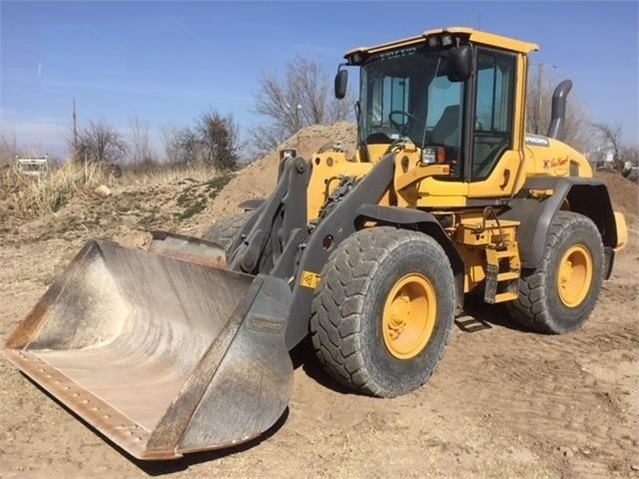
(473, 35)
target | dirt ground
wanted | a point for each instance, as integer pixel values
(503, 403)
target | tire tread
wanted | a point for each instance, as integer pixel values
(530, 309)
(338, 304)
(225, 231)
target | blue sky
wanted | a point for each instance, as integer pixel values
(167, 62)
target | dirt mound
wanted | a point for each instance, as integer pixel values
(258, 179)
(135, 205)
(624, 193)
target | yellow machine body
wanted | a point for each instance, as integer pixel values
(430, 187)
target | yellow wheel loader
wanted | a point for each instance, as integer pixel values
(185, 347)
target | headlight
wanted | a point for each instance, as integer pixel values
(432, 155)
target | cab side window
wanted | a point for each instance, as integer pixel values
(493, 111)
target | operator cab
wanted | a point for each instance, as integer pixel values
(453, 90)
(408, 94)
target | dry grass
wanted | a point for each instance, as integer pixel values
(159, 176)
(30, 197)
(24, 197)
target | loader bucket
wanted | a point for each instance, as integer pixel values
(162, 355)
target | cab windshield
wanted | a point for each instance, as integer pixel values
(406, 93)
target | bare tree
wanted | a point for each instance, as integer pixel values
(218, 139)
(266, 137)
(214, 140)
(185, 146)
(141, 150)
(538, 113)
(610, 136)
(100, 142)
(170, 142)
(302, 97)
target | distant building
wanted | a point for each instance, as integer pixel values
(33, 166)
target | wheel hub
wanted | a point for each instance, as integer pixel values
(575, 275)
(409, 316)
(398, 320)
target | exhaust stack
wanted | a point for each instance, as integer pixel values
(556, 129)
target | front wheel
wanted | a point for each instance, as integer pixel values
(383, 312)
(226, 231)
(559, 296)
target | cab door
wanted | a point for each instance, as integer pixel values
(495, 142)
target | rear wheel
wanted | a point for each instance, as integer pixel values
(559, 296)
(383, 312)
(224, 232)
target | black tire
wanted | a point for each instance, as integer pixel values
(225, 231)
(346, 321)
(539, 306)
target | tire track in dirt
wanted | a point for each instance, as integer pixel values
(540, 387)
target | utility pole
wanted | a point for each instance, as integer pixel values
(298, 112)
(75, 128)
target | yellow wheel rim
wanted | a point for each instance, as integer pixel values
(409, 316)
(575, 275)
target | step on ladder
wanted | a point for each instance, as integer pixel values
(502, 272)
(497, 239)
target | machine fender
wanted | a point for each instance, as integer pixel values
(587, 196)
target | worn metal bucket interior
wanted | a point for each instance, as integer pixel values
(162, 355)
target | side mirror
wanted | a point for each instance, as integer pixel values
(341, 82)
(460, 63)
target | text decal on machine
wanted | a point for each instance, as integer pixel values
(536, 140)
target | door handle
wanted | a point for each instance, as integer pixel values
(506, 179)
